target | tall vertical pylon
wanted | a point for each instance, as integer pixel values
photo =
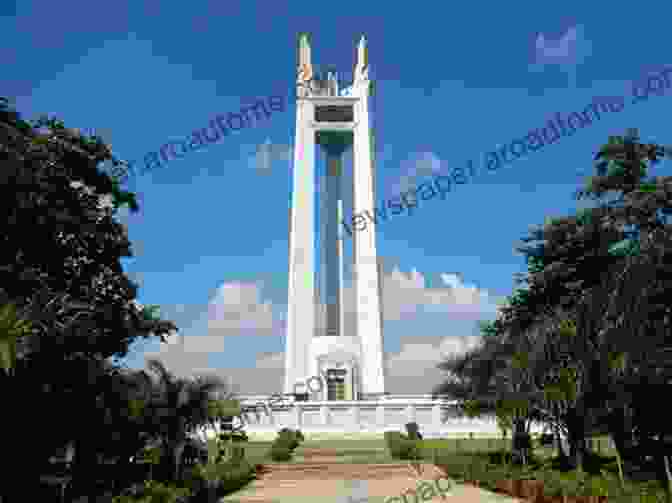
(366, 270)
(317, 344)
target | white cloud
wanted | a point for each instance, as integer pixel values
(271, 361)
(405, 294)
(416, 170)
(237, 309)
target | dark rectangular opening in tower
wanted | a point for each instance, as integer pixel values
(334, 113)
(336, 384)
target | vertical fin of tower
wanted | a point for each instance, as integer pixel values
(305, 66)
(301, 294)
(367, 280)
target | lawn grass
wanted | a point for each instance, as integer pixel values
(600, 470)
(375, 451)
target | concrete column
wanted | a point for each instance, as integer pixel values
(367, 281)
(410, 413)
(380, 416)
(324, 413)
(297, 415)
(436, 417)
(355, 416)
(300, 317)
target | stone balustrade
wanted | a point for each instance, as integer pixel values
(434, 417)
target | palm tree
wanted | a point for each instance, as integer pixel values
(12, 328)
(178, 406)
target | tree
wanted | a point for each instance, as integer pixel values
(600, 265)
(485, 380)
(66, 280)
(12, 329)
(179, 406)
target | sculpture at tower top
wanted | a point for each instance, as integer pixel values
(362, 64)
(305, 69)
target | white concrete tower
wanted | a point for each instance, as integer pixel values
(317, 344)
(367, 280)
(301, 295)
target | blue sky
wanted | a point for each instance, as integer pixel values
(453, 81)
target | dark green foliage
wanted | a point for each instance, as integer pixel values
(522, 441)
(499, 457)
(210, 482)
(290, 438)
(400, 446)
(65, 277)
(280, 452)
(194, 452)
(393, 436)
(235, 436)
(596, 292)
(285, 443)
(152, 491)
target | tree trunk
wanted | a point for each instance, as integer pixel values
(576, 438)
(668, 478)
(518, 454)
(171, 462)
(620, 429)
(558, 436)
(558, 442)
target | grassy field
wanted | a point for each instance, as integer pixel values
(371, 450)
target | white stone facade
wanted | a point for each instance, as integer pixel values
(316, 342)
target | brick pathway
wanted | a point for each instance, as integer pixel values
(330, 482)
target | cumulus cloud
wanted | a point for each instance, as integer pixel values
(271, 361)
(411, 370)
(407, 294)
(237, 309)
(417, 169)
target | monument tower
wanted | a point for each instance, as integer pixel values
(317, 343)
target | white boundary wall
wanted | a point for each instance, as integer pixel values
(436, 418)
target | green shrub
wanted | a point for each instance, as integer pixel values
(280, 452)
(214, 480)
(289, 438)
(236, 436)
(151, 454)
(154, 492)
(499, 457)
(393, 437)
(226, 450)
(400, 446)
(194, 451)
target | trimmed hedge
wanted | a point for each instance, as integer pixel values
(153, 491)
(290, 438)
(211, 481)
(400, 446)
(285, 443)
(280, 453)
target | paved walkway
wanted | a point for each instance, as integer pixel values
(326, 481)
